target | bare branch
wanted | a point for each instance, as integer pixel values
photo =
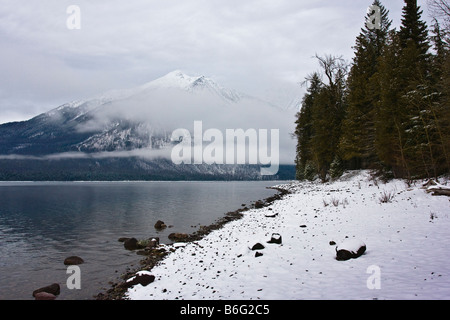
(440, 9)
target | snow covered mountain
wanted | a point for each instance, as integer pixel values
(177, 79)
(139, 119)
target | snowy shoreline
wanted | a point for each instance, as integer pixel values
(408, 248)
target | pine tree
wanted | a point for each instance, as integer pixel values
(419, 94)
(319, 121)
(444, 105)
(437, 102)
(406, 96)
(413, 30)
(393, 110)
(328, 113)
(357, 142)
(388, 138)
(304, 126)
(336, 168)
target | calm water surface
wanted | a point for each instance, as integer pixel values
(42, 223)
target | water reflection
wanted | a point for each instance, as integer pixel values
(43, 223)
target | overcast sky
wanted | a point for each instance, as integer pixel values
(262, 47)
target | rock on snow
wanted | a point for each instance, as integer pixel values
(350, 249)
(407, 241)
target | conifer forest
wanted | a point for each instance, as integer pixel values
(389, 109)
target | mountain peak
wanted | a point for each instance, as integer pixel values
(175, 79)
(179, 80)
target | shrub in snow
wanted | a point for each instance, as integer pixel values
(336, 168)
(335, 201)
(350, 249)
(387, 197)
(310, 171)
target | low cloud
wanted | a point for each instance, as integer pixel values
(138, 153)
(161, 111)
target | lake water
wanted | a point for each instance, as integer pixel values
(42, 223)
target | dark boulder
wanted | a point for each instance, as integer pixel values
(276, 238)
(142, 279)
(131, 244)
(74, 260)
(159, 225)
(178, 236)
(258, 246)
(350, 249)
(53, 289)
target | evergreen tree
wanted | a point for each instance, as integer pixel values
(328, 113)
(437, 102)
(393, 110)
(406, 95)
(319, 121)
(304, 126)
(357, 142)
(388, 140)
(336, 168)
(445, 107)
(420, 95)
(413, 30)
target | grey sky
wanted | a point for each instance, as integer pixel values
(260, 47)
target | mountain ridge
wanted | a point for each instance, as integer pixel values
(139, 121)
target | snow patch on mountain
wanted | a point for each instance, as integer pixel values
(179, 80)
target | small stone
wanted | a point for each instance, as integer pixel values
(271, 215)
(153, 243)
(259, 204)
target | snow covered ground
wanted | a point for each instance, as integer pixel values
(407, 257)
